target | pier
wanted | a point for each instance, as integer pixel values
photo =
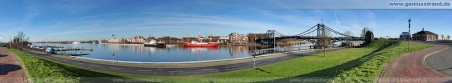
(72, 51)
(281, 49)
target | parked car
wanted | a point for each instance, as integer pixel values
(50, 50)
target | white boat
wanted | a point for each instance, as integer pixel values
(75, 42)
(171, 45)
(153, 43)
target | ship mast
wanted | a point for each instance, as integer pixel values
(210, 38)
(199, 37)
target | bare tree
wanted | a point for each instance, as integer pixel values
(20, 39)
(348, 33)
(324, 38)
(347, 42)
(150, 37)
(364, 31)
(442, 37)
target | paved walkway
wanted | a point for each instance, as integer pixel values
(411, 68)
(173, 69)
(10, 68)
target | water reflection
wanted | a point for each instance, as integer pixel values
(237, 50)
(195, 49)
(178, 53)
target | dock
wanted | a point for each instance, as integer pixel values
(274, 50)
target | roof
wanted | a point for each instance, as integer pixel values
(425, 32)
(405, 33)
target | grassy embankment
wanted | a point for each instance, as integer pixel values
(342, 65)
(372, 65)
(42, 70)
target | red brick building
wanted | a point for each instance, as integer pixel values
(425, 36)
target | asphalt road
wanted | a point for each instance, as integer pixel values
(441, 61)
(172, 71)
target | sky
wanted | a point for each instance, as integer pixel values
(77, 20)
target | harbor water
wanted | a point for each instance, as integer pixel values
(175, 53)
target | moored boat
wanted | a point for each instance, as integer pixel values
(76, 42)
(199, 43)
(201, 48)
(153, 43)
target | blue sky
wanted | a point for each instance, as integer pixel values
(98, 19)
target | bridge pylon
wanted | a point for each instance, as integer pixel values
(323, 38)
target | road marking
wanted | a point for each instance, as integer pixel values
(144, 70)
(116, 68)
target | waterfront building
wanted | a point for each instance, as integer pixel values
(244, 39)
(405, 36)
(116, 40)
(252, 37)
(224, 39)
(138, 39)
(425, 36)
(236, 38)
(128, 40)
(189, 39)
(168, 39)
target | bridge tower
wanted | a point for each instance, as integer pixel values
(323, 39)
(271, 33)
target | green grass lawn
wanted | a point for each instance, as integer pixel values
(45, 71)
(341, 66)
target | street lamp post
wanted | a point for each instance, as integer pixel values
(274, 42)
(254, 60)
(10, 42)
(113, 58)
(409, 31)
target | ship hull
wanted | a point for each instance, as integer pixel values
(154, 45)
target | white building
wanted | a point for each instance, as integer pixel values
(115, 40)
(138, 39)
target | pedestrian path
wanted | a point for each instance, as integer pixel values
(10, 69)
(411, 68)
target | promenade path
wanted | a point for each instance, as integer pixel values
(176, 69)
(10, 69)
(411, 68)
